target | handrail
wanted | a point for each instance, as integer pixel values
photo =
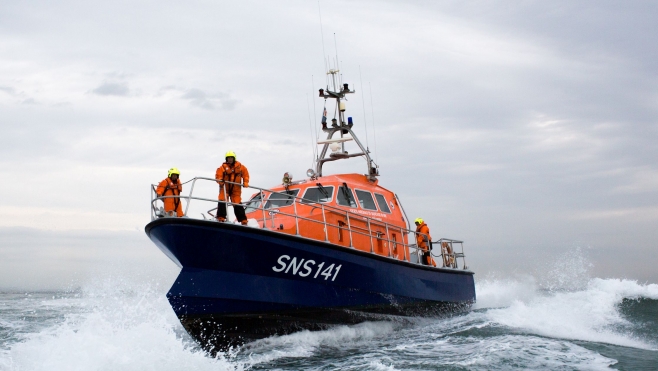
(449, 260)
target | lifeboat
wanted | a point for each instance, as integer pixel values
(317, 252)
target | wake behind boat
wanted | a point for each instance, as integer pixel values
(326, 250)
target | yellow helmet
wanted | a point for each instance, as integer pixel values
(419, 220)
(231, 154)
(173, 170)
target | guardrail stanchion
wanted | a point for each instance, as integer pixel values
(262, 207)
(189, 198)
(349, 227)
(463, 256)
(294, 204)
(417, 248)
(388, 240)
(406, 245)
(372, 247)
(324, 219)
(443, 256)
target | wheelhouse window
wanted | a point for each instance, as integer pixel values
(253, 203)
(318, 194)
(345, 197)
(281, 199)
(365, 200)
(381, 201)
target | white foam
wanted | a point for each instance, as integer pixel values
(306, 343)
(590, 314)
(533, 352)
(504, 292)
(439, 346)
(120, 328)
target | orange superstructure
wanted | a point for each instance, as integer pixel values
(358, 213)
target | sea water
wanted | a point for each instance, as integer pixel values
(521, 323)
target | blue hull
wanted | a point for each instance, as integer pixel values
(240, 283)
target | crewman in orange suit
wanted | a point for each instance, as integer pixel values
(171, 186)
(236, 173)
(424, 241)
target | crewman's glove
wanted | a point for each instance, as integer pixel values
(246, 185)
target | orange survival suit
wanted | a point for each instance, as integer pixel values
(236, 173)
(423, 241)
(168, 187)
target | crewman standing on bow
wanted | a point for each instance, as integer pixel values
(171, 186)
(424, 241)
(231, 176)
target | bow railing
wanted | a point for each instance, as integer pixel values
(357, 231)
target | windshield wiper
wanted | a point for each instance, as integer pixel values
(324, 191)
(346, 193)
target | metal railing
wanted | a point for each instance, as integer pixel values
(374, 229)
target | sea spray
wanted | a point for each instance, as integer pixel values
(117, 325)
(591, 314)
(562, 301)
(568, 271)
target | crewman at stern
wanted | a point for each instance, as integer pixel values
(424, 241)
(171, 186)
(231, 176)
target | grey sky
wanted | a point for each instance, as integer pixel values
(527, 129)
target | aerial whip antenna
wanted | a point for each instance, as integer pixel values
(374, 131)
(310, 123)
(337, 65)
(315, 122)
(363, 100)
(322, 33)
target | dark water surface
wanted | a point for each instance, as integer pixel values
(604, 324)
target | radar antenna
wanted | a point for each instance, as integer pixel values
(343, 128)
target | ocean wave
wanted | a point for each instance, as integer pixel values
(307, 343)
(117, 326)
(588, 314)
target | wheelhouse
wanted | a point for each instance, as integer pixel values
(348, 210)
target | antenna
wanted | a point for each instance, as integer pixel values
(315, 122)
(336, 48)
(374, 131)
(363, 100)
(310, 123)
(322, 33)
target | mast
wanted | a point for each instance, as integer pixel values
(341, 127)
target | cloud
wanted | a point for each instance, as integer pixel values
(201, 99)
(116, 89)
(29, 101)
(7, 89)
